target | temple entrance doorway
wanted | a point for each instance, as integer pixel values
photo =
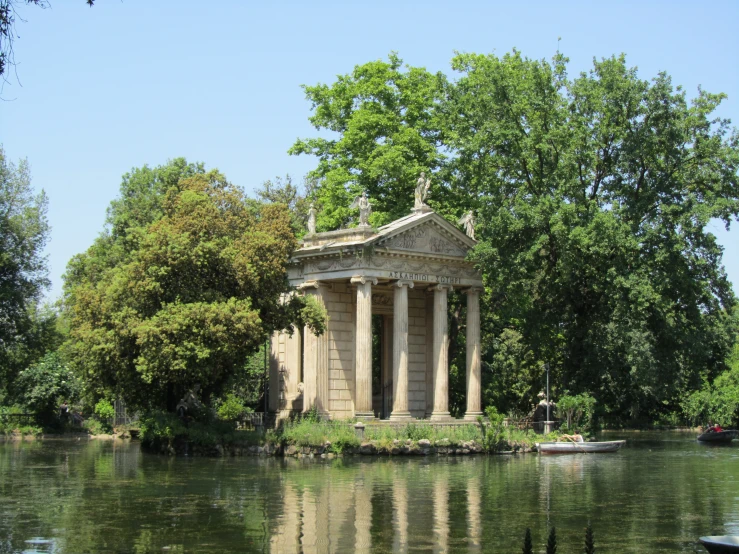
(382, 373)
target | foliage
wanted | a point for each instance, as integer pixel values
(24, 230)
(387, 136)
(161, 430)
(717, 402)
(104, 409)
(297, 199)
(552, 542)
(593, 194)
(527, 546)
(309, 432)
(184, 287)
(453, 435)
(494, 432)
(45, 385)
(232, 408)
(578, 410)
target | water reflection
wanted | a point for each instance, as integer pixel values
(66, 497)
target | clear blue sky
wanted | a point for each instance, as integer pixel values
(133, 82)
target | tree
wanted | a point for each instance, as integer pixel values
(186, 298)
(387, 137)
(8, 15)
(592, 193)
(24, 231)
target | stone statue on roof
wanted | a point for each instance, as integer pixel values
(365, 209)
(311, 219)
(468, 221)
(422, 191)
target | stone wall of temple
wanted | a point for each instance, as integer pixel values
(341, 307)
(417, 352)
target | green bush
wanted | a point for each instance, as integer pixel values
(307, 432)
(45, 385)
(232, 408)
(104, 409)
(578, 411)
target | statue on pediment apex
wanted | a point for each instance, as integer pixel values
(422, 191)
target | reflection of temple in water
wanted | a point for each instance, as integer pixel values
(376, 510)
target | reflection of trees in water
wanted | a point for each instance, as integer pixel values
(108, 496)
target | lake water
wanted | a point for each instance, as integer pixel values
(658, 494)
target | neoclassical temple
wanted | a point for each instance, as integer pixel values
(385, 291)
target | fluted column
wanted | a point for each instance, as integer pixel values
(474, 372)
(363, 343)
(315, 360)
(441, 355)
(400, 351)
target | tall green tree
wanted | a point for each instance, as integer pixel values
(383, 134)
(594, 195)
(24, 231)
(188, 297)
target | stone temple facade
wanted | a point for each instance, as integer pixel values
(385, 291)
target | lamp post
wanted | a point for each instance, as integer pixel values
(548, 424)
(547, 366)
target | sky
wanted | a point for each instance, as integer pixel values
(131, 82)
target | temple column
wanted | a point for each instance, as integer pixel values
(400, 351)
(474, 372)
(441, 354)
(363, 341)
(315, 360)
(429, 314)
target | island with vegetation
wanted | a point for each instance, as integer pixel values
(588, 197)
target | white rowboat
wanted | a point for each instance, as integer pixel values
(575, 447)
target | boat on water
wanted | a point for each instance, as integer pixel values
(720, 544)
(719, 436)
(578, 447)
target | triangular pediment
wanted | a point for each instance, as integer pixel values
(429, 234)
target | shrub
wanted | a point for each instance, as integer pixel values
(578, 411)
(232, 408)
(45, 385)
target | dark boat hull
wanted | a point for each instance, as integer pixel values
(721, 436)
(720, 544)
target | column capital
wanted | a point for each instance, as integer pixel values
(312, 284)
(473, 290)
(440, 287)
(403, 283)
(362, 279)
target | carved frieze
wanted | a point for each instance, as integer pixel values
(425, 239)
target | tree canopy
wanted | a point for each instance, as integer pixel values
(185, 284)
(592, 193)
(24, 231)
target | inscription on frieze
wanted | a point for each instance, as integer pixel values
(425, 277)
